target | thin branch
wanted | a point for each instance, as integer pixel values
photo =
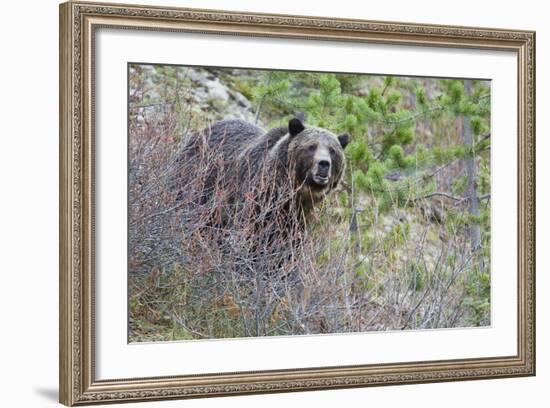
(440, 194)
(257, 115)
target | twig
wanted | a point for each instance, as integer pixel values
(440, 194)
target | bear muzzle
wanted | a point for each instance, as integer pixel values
(321, 173)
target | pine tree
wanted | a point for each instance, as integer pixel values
(419, 146)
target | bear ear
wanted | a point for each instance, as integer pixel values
(295, 126)
(344, 140)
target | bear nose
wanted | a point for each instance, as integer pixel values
(323, 165)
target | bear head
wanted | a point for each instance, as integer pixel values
(316, 159)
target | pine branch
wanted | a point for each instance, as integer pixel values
(435, 108)
(414, 116)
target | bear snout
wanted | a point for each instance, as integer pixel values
(323, 168)
(321, 172)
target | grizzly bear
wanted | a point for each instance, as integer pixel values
(284, 171)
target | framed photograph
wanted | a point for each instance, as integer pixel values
(255, 203)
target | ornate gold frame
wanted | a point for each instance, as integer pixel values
(77, 24)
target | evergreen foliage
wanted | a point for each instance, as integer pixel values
(407, 156)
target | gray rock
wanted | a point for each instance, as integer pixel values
(195, 76)
(217, 90)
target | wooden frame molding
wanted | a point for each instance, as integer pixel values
(78, 22)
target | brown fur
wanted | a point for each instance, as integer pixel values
(283, 158)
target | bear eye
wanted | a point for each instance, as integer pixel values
(332, 151)
(312, 147)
